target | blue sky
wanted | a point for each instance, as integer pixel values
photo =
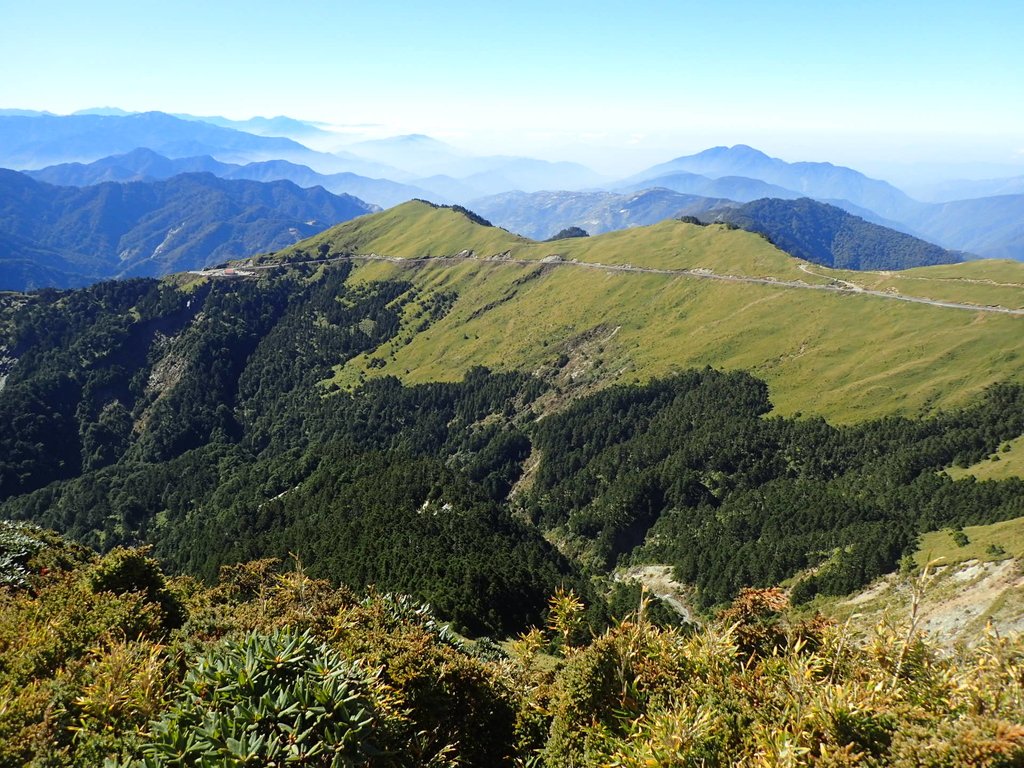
(853, 82)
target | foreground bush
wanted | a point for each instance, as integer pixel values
(270, 667)
(275, 699)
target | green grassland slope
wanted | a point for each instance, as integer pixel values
(518, 304)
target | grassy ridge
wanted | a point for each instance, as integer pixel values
(846, 357)
(412, 229)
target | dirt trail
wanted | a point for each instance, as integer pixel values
(839, 286)
(657, 579)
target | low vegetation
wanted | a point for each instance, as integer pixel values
(107, 661)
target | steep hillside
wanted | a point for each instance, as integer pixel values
(202, 424)
(834, 349)
(973, 587)
(830, 236)
(77, 235)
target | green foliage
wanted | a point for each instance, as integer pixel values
(689, 470)
(17, 545)
(569, 232)
(273, 667)
(268, 699)
(126, 570)
(456, 702)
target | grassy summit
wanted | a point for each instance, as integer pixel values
(842, 354)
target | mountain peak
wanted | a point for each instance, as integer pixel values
(735, 152)
(103, 112)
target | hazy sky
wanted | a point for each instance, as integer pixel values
(897, 81)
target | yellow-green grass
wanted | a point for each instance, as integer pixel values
(417, 229)
(1006, 462)
(677, 245)
(847, 357)
(941, 546)
(996, 283)
(841, 355)
(413, 229)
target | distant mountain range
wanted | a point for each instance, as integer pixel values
(68, 236)
(29, 142)
(539, 215)
(822, 181)
(537, 198)
(970, 189)
(147, 165)
(737, 188)
(992, 227)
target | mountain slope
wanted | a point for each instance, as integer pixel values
(736, 188)
(830, 236)
(817, 180)
(216, 416)
(146, 165)
(837, 352)
(27, 265)
(152, 228)
(992, 227)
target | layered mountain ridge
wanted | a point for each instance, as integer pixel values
(535, 198)
(80, 235)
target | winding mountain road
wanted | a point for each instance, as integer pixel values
(837, 286)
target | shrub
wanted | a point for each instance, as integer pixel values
(269, 699)
(17, 545)
(454, 700)
(131, 570)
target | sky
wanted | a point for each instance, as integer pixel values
(876, 85)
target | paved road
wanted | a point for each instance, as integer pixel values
(701, 274)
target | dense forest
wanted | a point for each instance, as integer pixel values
(199, 418)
